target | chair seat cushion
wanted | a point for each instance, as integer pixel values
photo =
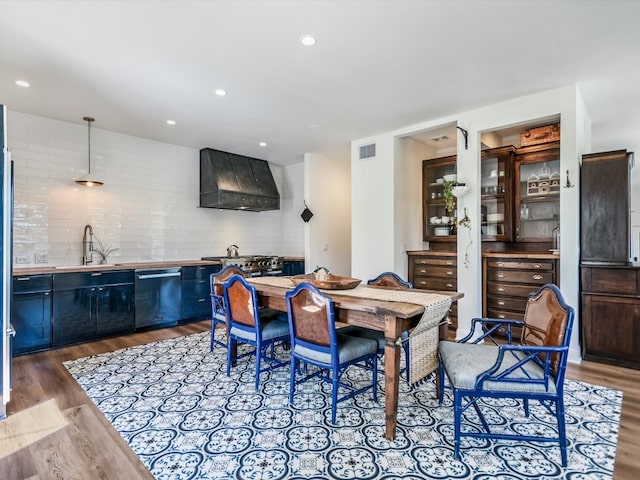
(463, 363)
(362, 332)
(272, 327)
(349, 348)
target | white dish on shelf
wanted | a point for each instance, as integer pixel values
(495, 217)
(441, 231)
(450, 178)
(439, 181)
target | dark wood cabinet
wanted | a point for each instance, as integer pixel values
(604, 207)
(434, 211)
(31, 313)
(92, 304)
(508, 279)
(537, 193)
(609, 286)
(610, 315)
(292, 267)
(496, 190)
(196, 292)
(430, 270)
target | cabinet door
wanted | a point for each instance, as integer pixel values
(31, 318)
(496, 194)
(611, 329)
(604, 207)
(114, 309)
(196, 294)
(293, 267)
(436, 218)
(537, 195)
(73, 318)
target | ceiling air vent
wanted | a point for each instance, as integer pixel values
(367, 151)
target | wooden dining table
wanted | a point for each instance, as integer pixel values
(390, 317)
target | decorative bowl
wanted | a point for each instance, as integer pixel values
(450, 178)
(331, 282)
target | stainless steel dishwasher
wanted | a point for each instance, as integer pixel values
(158, 294)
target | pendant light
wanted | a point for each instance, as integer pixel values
(89, 180)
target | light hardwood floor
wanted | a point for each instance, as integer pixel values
(89, 448)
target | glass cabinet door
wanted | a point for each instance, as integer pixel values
(437, 221)
(537, 207)
(496, 194)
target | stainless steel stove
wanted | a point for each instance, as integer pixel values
(257, 265)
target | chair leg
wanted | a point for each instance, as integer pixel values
(374, 386)
(258, 355)
(440, 383)
(334, 396)
(407, 366)
(562, 434)
(457, 420)
(292, 380)
(526, 407)
(229, 356)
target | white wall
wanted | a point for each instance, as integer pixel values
(328, 196)
(369, 178)
(148, 206)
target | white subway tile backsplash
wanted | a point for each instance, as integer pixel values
(157, 218)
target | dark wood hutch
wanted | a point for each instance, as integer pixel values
(519, 224)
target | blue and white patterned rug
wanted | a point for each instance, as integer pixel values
(175, 406)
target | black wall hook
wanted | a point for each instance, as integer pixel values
(465, 133)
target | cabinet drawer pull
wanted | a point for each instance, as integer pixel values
(500, 264)
(501, 303)
(96, 274)
(501, 289)
(537, 265)
(46, 294)
(23, 279)
(202, 281)
(449, 272)
(449, 285)
(501, 275)
(500, 316)
(449, 262)
(202, 300)
(537, 277)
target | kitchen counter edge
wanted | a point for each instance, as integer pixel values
(118, 266)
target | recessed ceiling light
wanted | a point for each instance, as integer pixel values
(221, 92)
(22, 83)
(171, 122)
(263, 144)
(314, 125)
(308, 41)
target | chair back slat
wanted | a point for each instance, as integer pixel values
(241, 306)
(310, 318)
(545, 323)
(217, 280)
(389, 279)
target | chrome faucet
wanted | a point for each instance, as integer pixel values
(232, 251)
(87, 245)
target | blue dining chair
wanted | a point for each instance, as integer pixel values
(481, 366)
(393, 280)
(315, 342)
(218, 313)
(249, 325)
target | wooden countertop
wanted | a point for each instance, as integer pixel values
(547, 255)
(117, 266)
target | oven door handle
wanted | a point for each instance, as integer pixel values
(158, 275)
(11, 331)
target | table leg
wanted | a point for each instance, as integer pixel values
(391, 386)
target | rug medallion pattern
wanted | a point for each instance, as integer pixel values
(175, 406)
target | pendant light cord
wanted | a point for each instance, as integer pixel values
(89, 143)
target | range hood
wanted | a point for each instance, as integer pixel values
(236, 182)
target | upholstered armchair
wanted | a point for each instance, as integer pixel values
(531, 369)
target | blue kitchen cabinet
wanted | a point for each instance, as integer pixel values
(89, 305)
(31, 313)
(293, 267)
(196, 295)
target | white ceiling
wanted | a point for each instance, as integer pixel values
(377, 66)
